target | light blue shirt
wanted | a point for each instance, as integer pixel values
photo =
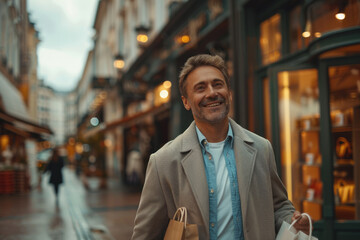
(225, 220)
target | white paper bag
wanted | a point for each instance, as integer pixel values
(288, 232)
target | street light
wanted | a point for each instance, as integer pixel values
(142, 34)
(119, 62)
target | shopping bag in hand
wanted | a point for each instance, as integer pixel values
(288, 232)
(179, 229)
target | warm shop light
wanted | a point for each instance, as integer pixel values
(317, 34)
(167, 84)
(185, 39)
(287, 132)
(306, 34)
(340, 16)
(119, 64)
(164, 94)
(142, 38)
(307, 31)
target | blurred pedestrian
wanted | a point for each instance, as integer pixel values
(54, 167)
(134, 167)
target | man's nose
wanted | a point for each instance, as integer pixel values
(211, 91)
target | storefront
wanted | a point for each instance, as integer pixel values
(306, 81)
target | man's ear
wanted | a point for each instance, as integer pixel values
(185, 102)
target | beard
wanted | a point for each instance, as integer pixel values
(212, 114)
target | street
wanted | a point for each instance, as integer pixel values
(81, 213)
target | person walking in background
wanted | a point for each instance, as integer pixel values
(223, 174)
(54, 167)
(134, 167)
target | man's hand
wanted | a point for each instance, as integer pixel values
(302, 223)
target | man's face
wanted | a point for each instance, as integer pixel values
(208, 96)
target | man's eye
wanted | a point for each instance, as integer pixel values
(199, 88)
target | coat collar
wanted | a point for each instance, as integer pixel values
(193, 165)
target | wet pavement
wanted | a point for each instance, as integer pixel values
(81, 213)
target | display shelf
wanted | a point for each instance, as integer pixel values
(343, 162)
(347, 128)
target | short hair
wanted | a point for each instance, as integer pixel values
(201, 60)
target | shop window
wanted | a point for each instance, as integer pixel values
(299, 135)
(310, 22)
(342, 51)
(267, 108)
(345, 120)
(270, 40)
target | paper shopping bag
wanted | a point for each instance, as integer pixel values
(288, 232)
(179, 229)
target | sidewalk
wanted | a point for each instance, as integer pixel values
(81, 214)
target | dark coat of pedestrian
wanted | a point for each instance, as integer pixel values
(55, 166)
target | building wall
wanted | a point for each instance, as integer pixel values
(33, 41)
(70, 111)
(10, 37)
(57, 117)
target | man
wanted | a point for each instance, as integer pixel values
(223, 174)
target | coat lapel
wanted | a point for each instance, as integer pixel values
(193, 165)
(245, 161)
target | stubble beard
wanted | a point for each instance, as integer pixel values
(213, 117)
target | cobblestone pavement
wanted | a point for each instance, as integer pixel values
(81, 213)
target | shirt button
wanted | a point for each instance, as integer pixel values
(205, 142)
(212, 225)
(212, 190)
(210, 157)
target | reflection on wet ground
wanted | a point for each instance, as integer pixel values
(80, 214)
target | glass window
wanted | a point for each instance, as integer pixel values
(270, 39)
(319, 18)
(267, 108)
(299, 139)
(345, 119)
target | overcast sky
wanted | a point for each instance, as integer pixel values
(65, 29)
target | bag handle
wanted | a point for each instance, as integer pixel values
(181, 215)
(308, 216)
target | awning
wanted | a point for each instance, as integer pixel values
(13, 113)
(137, 117)
(126, 121)
(23, 127)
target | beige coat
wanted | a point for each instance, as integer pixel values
(176, 177)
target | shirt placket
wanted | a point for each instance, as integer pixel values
(211, 176)
(235, 197)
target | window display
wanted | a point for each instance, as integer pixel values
(299, 135)
(345, 120)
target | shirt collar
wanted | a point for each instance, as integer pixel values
(202, 138)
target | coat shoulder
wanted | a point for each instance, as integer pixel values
(170, 150)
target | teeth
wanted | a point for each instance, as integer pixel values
(213, 105)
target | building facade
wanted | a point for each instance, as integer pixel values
(299, 63)
(19, 131)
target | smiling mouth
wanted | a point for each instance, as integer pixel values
(213, 104)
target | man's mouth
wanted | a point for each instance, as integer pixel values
(213, 104)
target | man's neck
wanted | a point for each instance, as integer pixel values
(214, 132)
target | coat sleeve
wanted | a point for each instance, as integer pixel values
(283, 208)
(151, 218)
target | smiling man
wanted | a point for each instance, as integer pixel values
(223, 174)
